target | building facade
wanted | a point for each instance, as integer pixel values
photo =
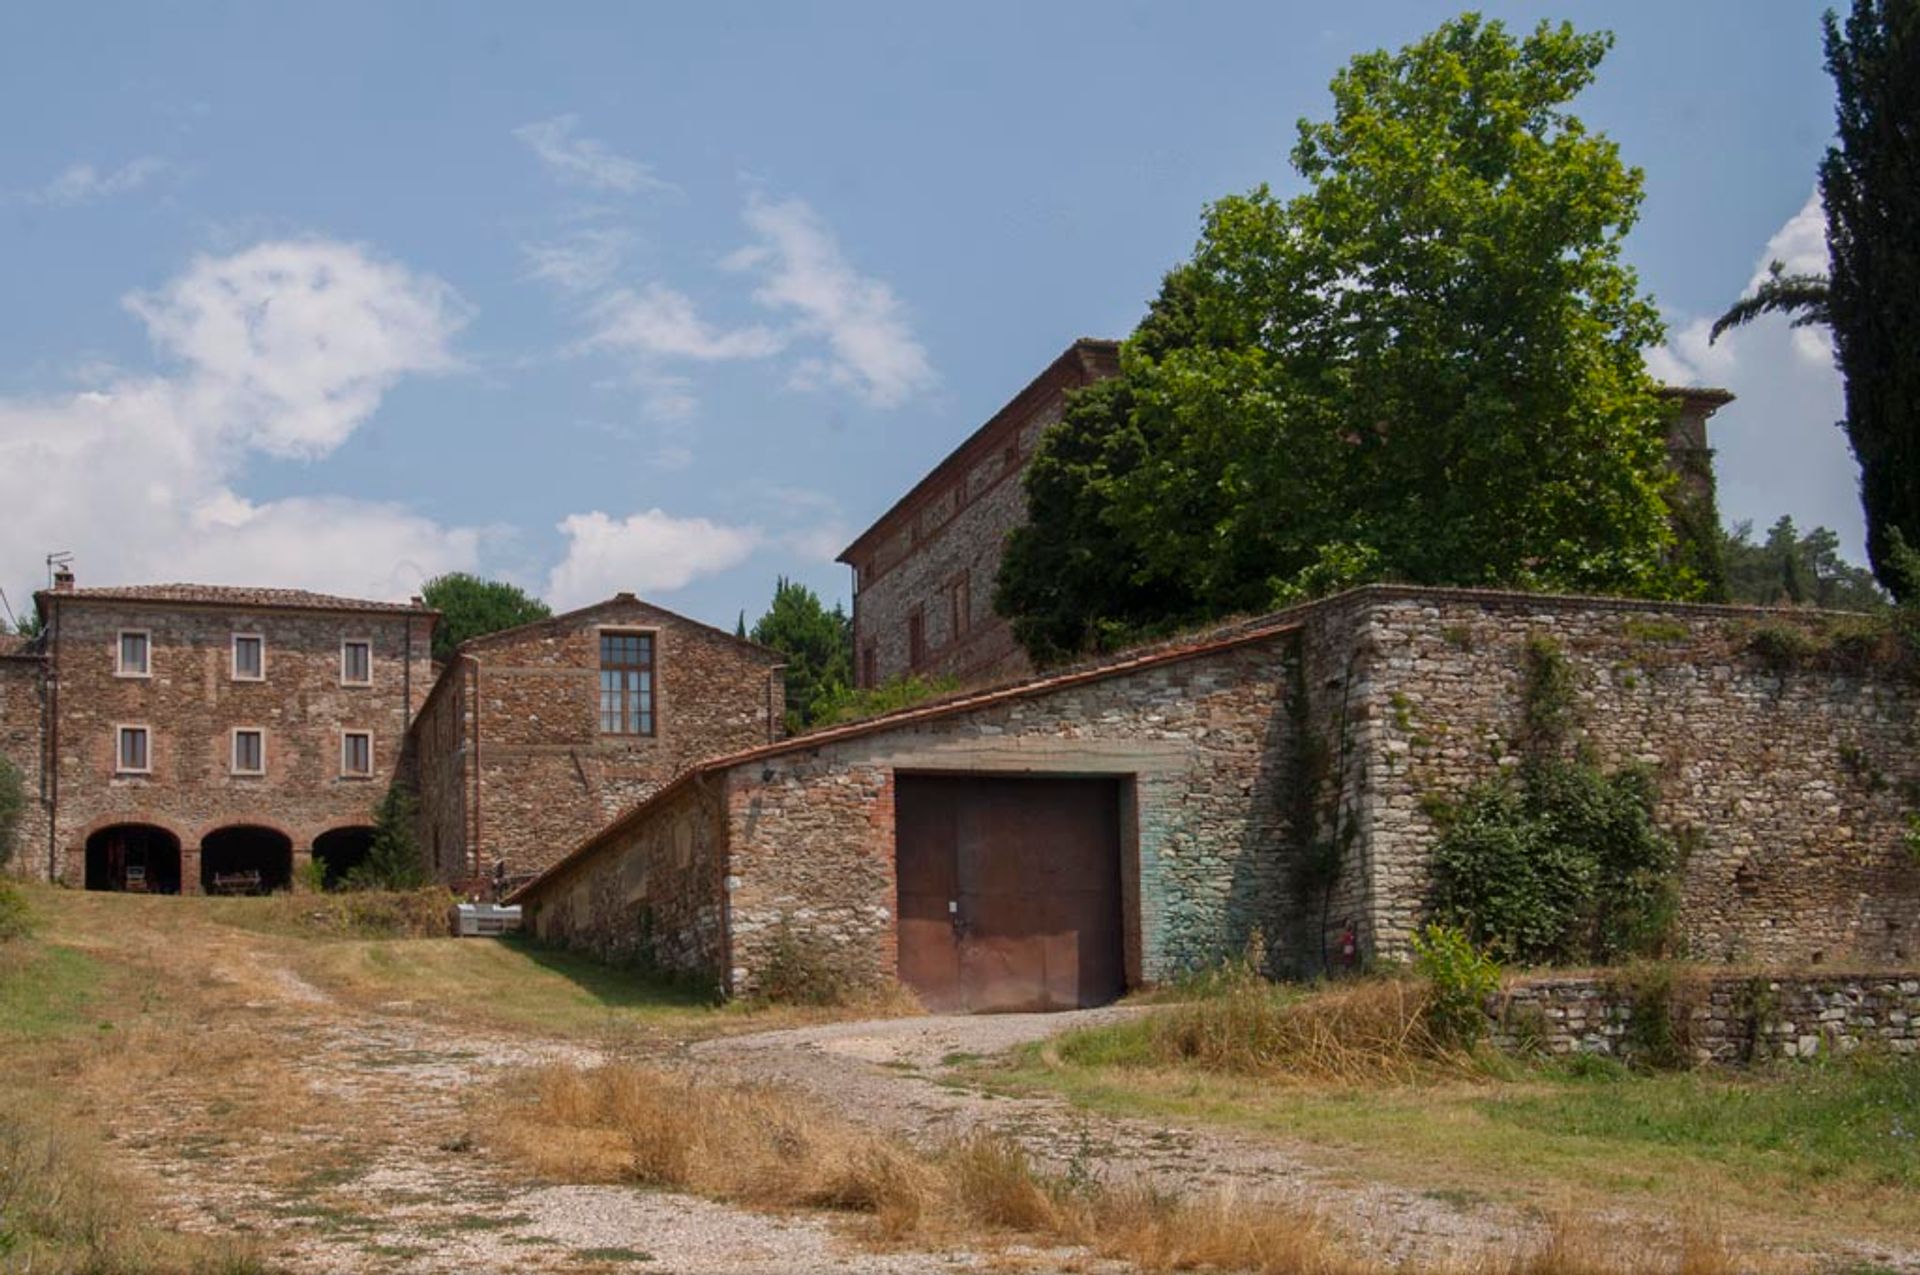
(536, 736)
(194, 738)
(924, 572)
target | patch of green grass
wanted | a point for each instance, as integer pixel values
(45, 990)
(612, 1255)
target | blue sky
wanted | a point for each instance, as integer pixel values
(680, 298)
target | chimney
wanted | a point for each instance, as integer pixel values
(63, 579)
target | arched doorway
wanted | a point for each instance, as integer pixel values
(245, 860)
(136, 857)
(340, 851)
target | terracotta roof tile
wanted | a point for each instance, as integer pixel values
(228, 595)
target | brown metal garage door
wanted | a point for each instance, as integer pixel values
(1009, 891)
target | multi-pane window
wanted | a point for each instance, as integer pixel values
(249, 657)
(132, 753)
(249, 751)
(356, 753)
(356, 663)
(626, 683)
(134, 653)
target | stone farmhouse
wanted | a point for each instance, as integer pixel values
(1039, 841)
(192, 738)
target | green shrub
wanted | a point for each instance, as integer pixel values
(1783, 647)
(393, 858)
(849, 704)
(1561, 863)
(13, 800)
(15, 919)
(1659, 1029)
(1460, 977)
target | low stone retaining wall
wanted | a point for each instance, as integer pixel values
(1723, 1018)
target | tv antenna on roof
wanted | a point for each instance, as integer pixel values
(57, 559)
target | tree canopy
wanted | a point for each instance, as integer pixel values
(818, 644)
(1788, 567)
(1870, 183)
(1426, 366)
(470, 607)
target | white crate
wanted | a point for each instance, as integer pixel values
(479, 920)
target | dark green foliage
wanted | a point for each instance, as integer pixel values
(849, 705)
(1791, 567)
(13, 802)
(1561, 863)
(818, 644)
(393, 859)
(1804, 296)
(1425, 367)
(1659, 1027)
(30, 624)
(1460, 976)
(470, 607)
(1870, 184)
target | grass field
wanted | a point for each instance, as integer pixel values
(1807, 1151)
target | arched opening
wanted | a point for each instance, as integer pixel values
(341, 851)
(135, 857)
(245, 860)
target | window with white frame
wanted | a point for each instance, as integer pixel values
(356, 662)
(249, 657)
(356, 753)
(132, 750)
(249, 751)
(133, 657)
(626, 683)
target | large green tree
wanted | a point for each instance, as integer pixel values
(818, 644)
(1789, 567)
(470, 607)
(1870, 183)
(1426, 366)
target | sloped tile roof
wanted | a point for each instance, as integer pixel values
(229, 595)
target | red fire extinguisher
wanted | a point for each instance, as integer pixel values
(1349, 946)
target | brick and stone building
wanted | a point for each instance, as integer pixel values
(190, 737)
(537, 735)
(924, 572)
(186, 738)
(1054, 841)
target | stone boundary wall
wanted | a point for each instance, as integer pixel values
(1725, 1018)
(22, 708)
(1789, 782)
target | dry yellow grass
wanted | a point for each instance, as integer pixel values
(762, 1146)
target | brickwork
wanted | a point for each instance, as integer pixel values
(1726, 1019)
(937, 552)
(191, 702)
(21, 743)
(516, 769)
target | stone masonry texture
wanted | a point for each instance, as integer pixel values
(938, 550)
(514, 769)
(1245, 756)
(191, 703)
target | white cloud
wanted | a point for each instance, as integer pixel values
(302, 337)
(658, 322)
(84, 184)
(586, 161)
(1778, 450)
(649, 552)
(584, 261)
(284, 348)
(802, 269)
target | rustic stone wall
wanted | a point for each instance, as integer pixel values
(1792, 785)
(191, 703)
(23, 745)
(440, 742)
(950, 533)
(655, 897)
(1202, 740)
(1725, 1019)
(530, 775)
